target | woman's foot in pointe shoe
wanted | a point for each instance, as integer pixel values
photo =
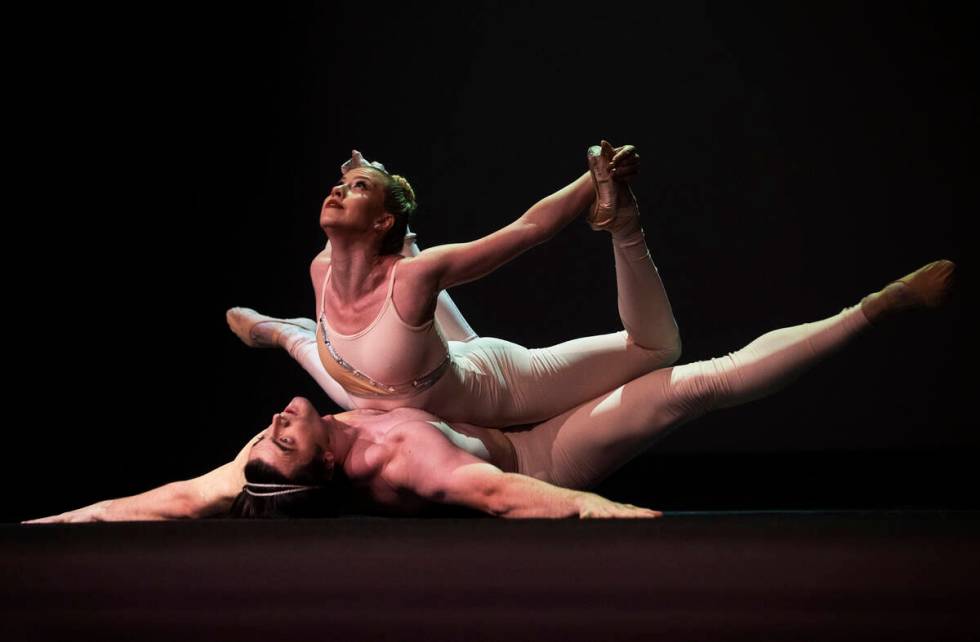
(603, 211)
(259, 331)
(615, 207)
(927, 287)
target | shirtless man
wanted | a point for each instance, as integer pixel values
(404, 460)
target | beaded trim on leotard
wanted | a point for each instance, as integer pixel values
(383, 390)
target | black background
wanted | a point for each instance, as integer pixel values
(170, 163)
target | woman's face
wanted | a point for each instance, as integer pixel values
(356, 202)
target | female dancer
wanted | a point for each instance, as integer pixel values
(376, 333)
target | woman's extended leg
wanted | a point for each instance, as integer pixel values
(295, 336)
(644, 308)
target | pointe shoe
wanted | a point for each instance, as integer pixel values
(615, 205)
(627, 212)
(245, 321)
(927, 287)
(606, 192)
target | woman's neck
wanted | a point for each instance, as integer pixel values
(356, 267)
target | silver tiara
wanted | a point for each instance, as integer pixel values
(265, 490)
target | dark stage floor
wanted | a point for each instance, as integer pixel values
(690, 576)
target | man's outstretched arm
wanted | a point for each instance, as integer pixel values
(209, 494)
(426, 463)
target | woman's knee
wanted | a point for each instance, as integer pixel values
(661, 356)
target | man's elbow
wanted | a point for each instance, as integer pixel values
(494, 501)
(186, 502)
(487, 496)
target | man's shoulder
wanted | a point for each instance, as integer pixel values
(409, 428)
(410, 437)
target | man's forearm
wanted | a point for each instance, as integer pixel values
(514, 495)
(170, 501)
(433, 469)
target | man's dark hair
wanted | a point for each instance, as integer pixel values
(326, 499)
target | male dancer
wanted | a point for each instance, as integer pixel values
(405, 460)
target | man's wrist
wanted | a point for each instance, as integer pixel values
(581, 499)
(103, 511)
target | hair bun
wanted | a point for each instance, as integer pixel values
(405, 185)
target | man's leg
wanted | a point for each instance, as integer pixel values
(583, 446)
